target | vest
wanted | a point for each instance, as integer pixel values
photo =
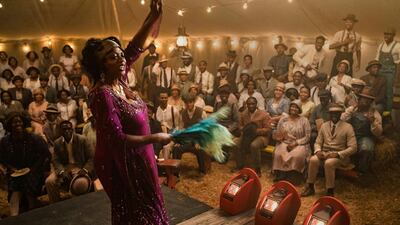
(197, 117)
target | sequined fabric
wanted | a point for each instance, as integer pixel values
(128, 174)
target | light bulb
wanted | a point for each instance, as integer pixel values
(171, 47)
(200, 45)
(1, 5)
(253, 44)
(245, 5)
(26, 48)
(142, 2)
(41, 0)
(180, 12)
(209, 9)
(290, 1)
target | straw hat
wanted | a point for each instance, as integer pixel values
(163, 59)
(351, 17)
(223, 66)
(373, 63)
(366, 93)
(356, 81)
(334, 107)
(52, 109)
(281, 86)
(297, 103)
(186, 55)
(281, 44)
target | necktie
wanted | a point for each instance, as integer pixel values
(346, 47)
(165, 78)
(57, 84)
(333, 129)
(267, 83)
(201, 79)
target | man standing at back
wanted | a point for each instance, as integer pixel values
(347, 42)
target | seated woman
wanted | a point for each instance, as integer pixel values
(340, 84)
(36, 111)
(175, 99)
(293, 134)
(32, 82)
(6, 80)
(292, 94)
(277, 105)
(67, 107)
(7, 105)
(25, 175)
(307, 106)
(31, 60)
(194, 90)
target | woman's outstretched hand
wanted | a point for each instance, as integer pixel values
(162, 138)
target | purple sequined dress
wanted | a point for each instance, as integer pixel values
(128, 174)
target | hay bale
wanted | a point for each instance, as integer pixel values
(385, 154)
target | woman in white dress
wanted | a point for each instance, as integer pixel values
(340, 84)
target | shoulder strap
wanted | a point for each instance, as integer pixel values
(173, 116)
(391, 49)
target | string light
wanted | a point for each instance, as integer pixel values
(26, 48)
(49, 42)
(245, 5)
(181, 12)
(209, 9)
(142, 2)
(200, 45)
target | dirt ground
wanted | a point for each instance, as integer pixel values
(375, 202)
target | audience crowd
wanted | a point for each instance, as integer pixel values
(312, 118)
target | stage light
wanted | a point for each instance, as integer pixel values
(1, 5)
(200, 45)
(182, 39)
(142, 2)
(290, 1)
(279, 205)
(41, 0)
(234, 42)
(216, 43)
(26, 48)
(181, 12)
(171, 47)
(327, 210)
(241, 192)
(209, 9)
(253, 44)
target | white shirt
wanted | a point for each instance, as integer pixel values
(207, 81)
(199, 102)
(353, 46)
(132, 80)
(291, 85)
(308, 55)
(68, 145)
(3, 66)
(5, 85)
(31, 84)
(245, 95)
(61, 80)
(171, 76)
(386, 48)
(18, 71)
(68, 111)
(68, 62)
(338, 92)
(164, 116)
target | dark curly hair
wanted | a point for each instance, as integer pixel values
(36, 55)
(90, 62)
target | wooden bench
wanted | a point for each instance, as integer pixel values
(171, 167)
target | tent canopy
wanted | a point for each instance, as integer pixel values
(29, 19)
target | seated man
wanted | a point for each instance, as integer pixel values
(190, 116)
(357, 86)
(73, 156)
(166, 114)
(320, 114)
(254, 140)
(335, 143)
(367, 124)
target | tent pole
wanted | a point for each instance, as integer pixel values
(117, 21)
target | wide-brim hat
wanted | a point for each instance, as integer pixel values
(224, 86)
(17, 77)
(372, 63)
(298, 104)
(80, 185)
(344, 61)
(366, 93)
(186, 55)
(163, 59)
(231, 53)
(245, 72)
(281, 44)
(175, 87)
(390, 30)
(351, 17)
(182, 71)
(55, 65)
(356, 81)
(281, 86)
(223, 66)
(334, 107)
(268, 68)
(20, 172)
(194, 86)
(51, 109)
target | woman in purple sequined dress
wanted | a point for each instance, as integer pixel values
(124, 159)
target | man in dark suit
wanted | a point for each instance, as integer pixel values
(73, 156)
(152, 52)
(19, 93)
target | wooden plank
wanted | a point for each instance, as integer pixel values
(218, 217)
